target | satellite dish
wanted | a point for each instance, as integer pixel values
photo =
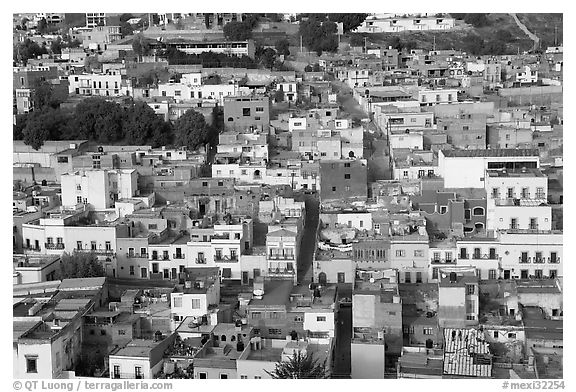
(372, 280)
(444, 276)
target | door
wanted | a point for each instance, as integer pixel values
(256, 272)
(341, 277)
(143, 273)
(506, 274)
(322, 278)
(245, 279)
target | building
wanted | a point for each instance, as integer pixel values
(437, 97)
(107, 84)
(466, 354)
(94, 19)
(343, 179)
(375, 24)
(139, 359)
(99, 188)
(465, 132)
(467, 168)
(241, 113)
(35, 268)
(458, 294)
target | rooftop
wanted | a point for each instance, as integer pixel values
(515, 173)
(276, 292)
(137, 348)
(466, 353)
(491, 153)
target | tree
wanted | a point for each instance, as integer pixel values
(190, 130)
(267, 57)
(126, 17)
(349, 21)
(299, 366)
(19, 126)
(283, 47)
(356, 40)
(42, 26)
(473, 44)
(126, 29)
(99, 120)
(140, 45)
(477, 20)
(237, 31)
(44, 96)
(28, 50)
(141, 123)
(319, 36)
(56, 46)
(42, 125)
(279, 96)
(79, 265)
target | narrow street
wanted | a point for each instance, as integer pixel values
(308, 240)
(342, 354)
(530, 34)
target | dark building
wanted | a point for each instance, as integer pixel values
(343, 179)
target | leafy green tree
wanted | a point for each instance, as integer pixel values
(19, 126)
(237, 31)
(42, 125)
(356, 40)
(319, 36)
(349, 21)
(79, 265)
(141, 123)
(477, 20)
(44, 96)
(473, 44)
(300, 366)
(279, 96)
(99, 120)
(27, 50)
(140, 45)
(126, 17)
(56, 46)
(283, 47)
(267, 57)
(126, 29)
(191, 130)
(42, 27)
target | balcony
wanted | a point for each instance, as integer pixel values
(226, 259)
(554, 260)
(104, 252)
(478, 256)
(281, 272)
(53, 246)
(524, 260)
(464, 257)
(178, 256)
(127, 376)
(280, 257)
(443, 261)
(200, 261)
(137, 255)
(539, 260)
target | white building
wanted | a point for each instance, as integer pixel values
(99, 188)
(107, 84)
(531, 253)
(467, 168)
(437, 97)
(375, 24)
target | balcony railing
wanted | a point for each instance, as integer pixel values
(281, 272)
(465, 257)
(443, 261)
(226, 259)
(554, 261)
(137, 255)
(281, 257)
(478, 256)
(524, 260)
(48, 245)
(107, 252)
(178, 256)
(32, 248)
(539, 260)
(200, 261)
(130, 376)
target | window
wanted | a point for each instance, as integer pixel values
(93, 245)
(513, 223)
(419, 253)
(246, 112)
(121, 332)
(333, 189)
(243, 377)
(418, 277)
(510, 193)
(492, 274)
(554, 257)
(533, 223)
(321, 318)
(407, 277)
(495, 334)
(79, 245)
(435, 272)
(257, 377)
(540, 193)
(79, 199)
(400, 253)
(274, 331)
(256, 315)
(202, 375)
(470, 289)
(177, 302)
(347, 176)
(467, 214)
(478, 211)
(131, 270)
(259, 109)
(298, 319)
(347, 164)
(495, 193)
(511, 335)
(152, 226)
(31, 364)
(538, 274)
(428, 331)
(391, 313)
(196, 303)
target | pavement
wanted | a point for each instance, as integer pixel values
(308, 241)
(342, 355)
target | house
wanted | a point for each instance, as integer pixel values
(457, 298)
(244, 112)
(466, 354)
(35, 268)
(140, 358)
(418, 362)
(343, 179)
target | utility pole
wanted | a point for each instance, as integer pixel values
(434, 44)
(365, 48)
(300, 44)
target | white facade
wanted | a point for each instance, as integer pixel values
(526, 216)
(517, 187)
(397, 24)
(99, 188)
(531, 251)
(411, 140)
(183, 91)
(106, 85)
(437, 97)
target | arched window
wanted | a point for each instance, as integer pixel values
(223, 338)
(478, 211)
(230, 119)
(322, 278)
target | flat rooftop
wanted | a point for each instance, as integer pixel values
(276, 292)
(492, 153)
(137, 348)
(269, 354)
